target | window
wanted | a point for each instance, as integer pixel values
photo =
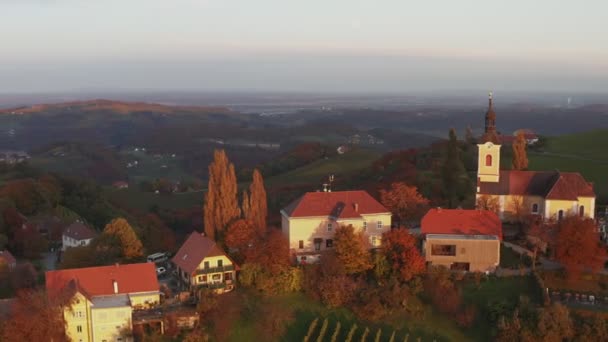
(329, 227)
(301, 244)
(329, 243)
(379, 225)
(206, 264)
(488, 160)
(78, 314)
(374, 241)
(200, 279)
(535, 208)
(560, 215)
(318, 242)
(204, 280)
(446, 250)
(220, 263)
(364, 226)
(216, 277)
(581, 211)
(227, 276)
(79, 328)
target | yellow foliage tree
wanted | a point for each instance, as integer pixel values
(130, 244)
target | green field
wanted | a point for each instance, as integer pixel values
(341, 165)
(150, 167)
(136, 199)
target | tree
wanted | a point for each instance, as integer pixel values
(131, 246)
(352, 249)
(488, 202)
(400, 249)
(577, 245)
(555, 324)
(404, 201)
(272, 254)
(468, 136)
(241, 236)
(520, 157)
(454, 176)
(245, 205)
(258, 204)
(155, 234)
(221, 203)
(34, 317)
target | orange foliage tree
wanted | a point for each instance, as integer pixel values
(400, 249)
(255, 206)
(34, 318)
(221, 203)
(352, 249)
(577, 245)
(273, 254)
(520, 157)
(241, 236)
(488, 202)
(404, 201)
(130, 244)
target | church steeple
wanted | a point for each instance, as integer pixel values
(490, 133)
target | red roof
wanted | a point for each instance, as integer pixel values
(98, 281)
(8, 258)
(547, 184)
(79, 231)
(339, 204)
(196, 248)
(461, 221)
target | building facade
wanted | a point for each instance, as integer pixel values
(309, 223)
(103, 299)
(77, 234)
(200, 262)
(467, 240)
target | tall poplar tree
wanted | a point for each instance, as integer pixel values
(221, 202)
(454, 175)
(258, 204)
(520, 156)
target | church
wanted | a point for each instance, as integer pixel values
(549, 194)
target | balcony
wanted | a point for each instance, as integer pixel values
(227, 268)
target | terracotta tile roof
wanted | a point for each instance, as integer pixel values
(78, 231)
(462, 222)
(98, 281)
(196, 248)
(8, 258)
(547, 184)
(339, 204)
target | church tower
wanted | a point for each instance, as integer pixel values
(490, 133)
(488, 160)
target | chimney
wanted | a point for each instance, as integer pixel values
(115, 283)
(356, 207)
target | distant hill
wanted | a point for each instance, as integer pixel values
(118, 107)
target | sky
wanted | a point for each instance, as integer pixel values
(395, 46)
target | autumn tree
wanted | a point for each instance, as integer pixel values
(404, 201)
(453, 173)
(155, 235)
(130, 244)
(352, 249)
(488, 202)
(221, 202)
(401, 251)
(577, 245)
(257, 206)
(520, 157)
(241, 236)
(34, 317)
(273, 253)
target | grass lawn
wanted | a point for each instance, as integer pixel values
(340, 165)
(136, 199)
(428, 328)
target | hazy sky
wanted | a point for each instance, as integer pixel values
(303, 45)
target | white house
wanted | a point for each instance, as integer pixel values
(77, 234)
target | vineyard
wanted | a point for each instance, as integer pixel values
(328, 330)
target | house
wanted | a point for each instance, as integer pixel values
(6, 258)
(200, 262)
(77, 234)
(103, 299)
(459, 239)
(310, 221)
(549, 194)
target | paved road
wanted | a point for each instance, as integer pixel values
(49, 261)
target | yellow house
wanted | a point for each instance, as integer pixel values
(200, 262)
(549, 194)
(310, 221)
(102, 299)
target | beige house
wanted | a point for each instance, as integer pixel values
(200, 262)
(467, 240)
(103, 299)
(309, 222)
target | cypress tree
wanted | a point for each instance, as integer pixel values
(520, 156)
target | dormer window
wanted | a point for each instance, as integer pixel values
(488, 160)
